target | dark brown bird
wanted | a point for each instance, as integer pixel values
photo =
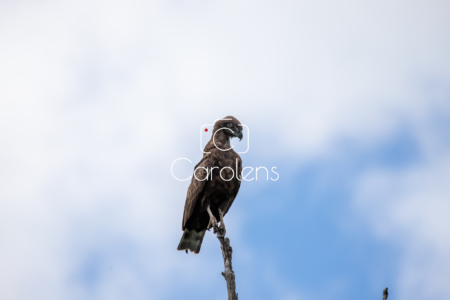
(214, 185)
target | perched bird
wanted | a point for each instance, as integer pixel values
(213, 187)
(385, 294)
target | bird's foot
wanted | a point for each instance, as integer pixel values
(221, 228)
(221, 231)
(212, 220)
(213, 224)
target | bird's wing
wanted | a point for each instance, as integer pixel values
(236, 188)
(196, 187)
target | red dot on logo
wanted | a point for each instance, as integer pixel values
(206, 129)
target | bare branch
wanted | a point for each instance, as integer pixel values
(227, 252)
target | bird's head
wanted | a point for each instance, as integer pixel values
(229, 127)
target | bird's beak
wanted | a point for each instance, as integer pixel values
(239, 135)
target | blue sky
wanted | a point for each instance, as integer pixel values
(349, 100)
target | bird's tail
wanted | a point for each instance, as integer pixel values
(191, 240)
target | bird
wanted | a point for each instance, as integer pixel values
(385, 294)
(214, 186)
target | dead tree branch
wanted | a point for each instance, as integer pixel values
(227, 252)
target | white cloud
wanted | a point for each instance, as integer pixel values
(410, 209)
(96, 96)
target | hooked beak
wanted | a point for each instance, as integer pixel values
(239, 135)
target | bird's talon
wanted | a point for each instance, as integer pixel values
(221, 232)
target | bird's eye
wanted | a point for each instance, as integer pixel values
(230, 125)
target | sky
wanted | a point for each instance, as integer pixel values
(349, 100)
